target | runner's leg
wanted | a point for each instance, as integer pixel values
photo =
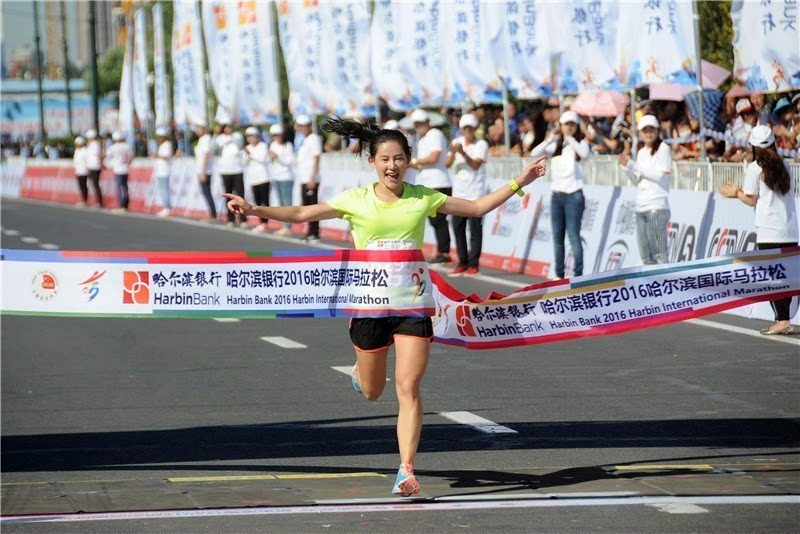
(412, 360)
(371, 371)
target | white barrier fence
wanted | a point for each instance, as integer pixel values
(517, 236)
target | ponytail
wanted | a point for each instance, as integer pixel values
(773, 170)
(368, 134)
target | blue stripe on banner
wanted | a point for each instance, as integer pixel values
(631, 276)
(54, 256)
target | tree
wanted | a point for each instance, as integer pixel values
(109, 71)
(716, 34)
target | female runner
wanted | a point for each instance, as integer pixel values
(393, 214)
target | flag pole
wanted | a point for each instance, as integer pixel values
(699, 78)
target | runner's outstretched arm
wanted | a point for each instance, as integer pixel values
(290, 214)
(485, 204)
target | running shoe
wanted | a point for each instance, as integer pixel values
(458, 271)
(354, 374)
(471, 271)
(406, 483)
(441, 258)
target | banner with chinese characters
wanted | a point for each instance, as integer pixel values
(258, 91)
(586, 44)
(470, 70)
(420, 49)
(219, 28)
(616, 302)
(300, 31)
(656, 44)
(187, 64)
(141, 93)
(160, 86)
(387, 50)
(330, 283)
(765, 44)
(346, 32)
(519, 44)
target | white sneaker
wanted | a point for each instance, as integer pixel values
(80, 205)
(164, 213)
(283, 231)
(311, 239)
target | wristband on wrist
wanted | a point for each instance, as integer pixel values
(516, 188)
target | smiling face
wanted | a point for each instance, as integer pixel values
(569, 129)
(390, 162)
(648, 134)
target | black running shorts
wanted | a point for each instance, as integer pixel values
(370, 334)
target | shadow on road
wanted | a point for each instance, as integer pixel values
(337, 437)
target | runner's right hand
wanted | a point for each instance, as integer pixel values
(237, 204)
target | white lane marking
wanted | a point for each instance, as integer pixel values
(348, 370)
(49, 246)
(477, 422)
(11, 232)
(283, 342)
(574, 495)
(680, 508)
(29, 239)
(226, 319)
(404, 506)
(792, 340)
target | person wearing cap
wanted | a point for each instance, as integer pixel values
(119, 159)
(467, 156)
(432, 173)
(769, 186)
(203, 166)
(785, 127)
(308, 158)
(651, 172)
(163, 169)
(229, 165)
(94, 162)
(281, 153)
(81, 170)
(567, 149)
(739, 129)
(256, 157)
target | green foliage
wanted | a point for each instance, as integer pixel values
(109, 71)
(716, 34)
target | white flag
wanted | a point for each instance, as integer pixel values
(345, 57)
(187, 64)
(470, 72)
(421, 49)
(520, 46)
(766, 44)
(219, 22)
(125, 117)
(301, 40)
(161, 88)
(586, 44)
(141, 93)
(656, 44)
(258, 89)
(387, 45)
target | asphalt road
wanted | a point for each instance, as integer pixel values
(112, 405)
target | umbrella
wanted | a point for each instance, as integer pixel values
(600, 103)
(737, 91)
(436, 120)
(713, 76)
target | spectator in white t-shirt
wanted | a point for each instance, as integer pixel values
(651, 173)
(81, 170)
(94, 162)
(281, 152)
(119, 158)
(747, 118)
(163, 169)
(768, 185)
(467, 156)
(204, 167)
(308, 159)
(567, 149)
(256, 157)
(432, 172)
(229, 166)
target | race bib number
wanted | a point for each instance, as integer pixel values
(392, 244)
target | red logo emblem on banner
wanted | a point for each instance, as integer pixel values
(463, 322)
(135, 287)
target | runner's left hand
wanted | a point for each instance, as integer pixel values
(533, 171)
